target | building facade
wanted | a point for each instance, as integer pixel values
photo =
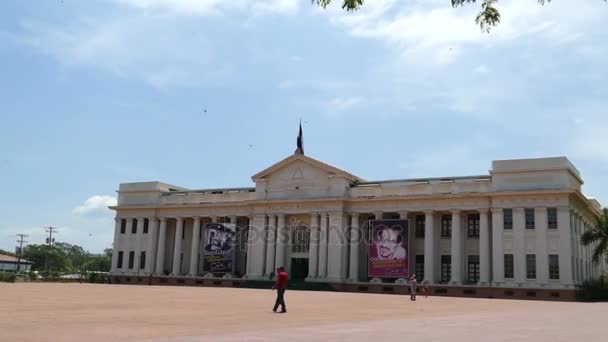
(515, 229)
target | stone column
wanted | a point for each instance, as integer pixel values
(115, 247)
(323, 247)
(128, 236)
(484, 248)
(160, 256)
(457, 243)
(355, 236)
(378, 215)
(138, 247)
(336, 248)
(565, 251)
(271, 237)
(194, 247)
(313, 252)
(429, 248)
(179, 231)
(519, 253)
(256, 244)
(152, 243)
(542, 256)
(282, 236)
(498, 256)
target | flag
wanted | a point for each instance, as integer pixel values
(300, 140)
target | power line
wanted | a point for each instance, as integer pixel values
(20, 250)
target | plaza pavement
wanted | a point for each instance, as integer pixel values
(87, 312)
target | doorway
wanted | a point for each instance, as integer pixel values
(299, 269)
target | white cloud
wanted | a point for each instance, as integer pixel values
(344, 103)
(214, 7)
(431, 33)
(95, 206)
(152, 49)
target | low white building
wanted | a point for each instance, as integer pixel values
(11, 263)
(513, 232)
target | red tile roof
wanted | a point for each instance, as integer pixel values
(11, 259)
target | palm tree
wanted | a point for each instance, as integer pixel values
(598, 235)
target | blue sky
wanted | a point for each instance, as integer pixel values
(99, 92)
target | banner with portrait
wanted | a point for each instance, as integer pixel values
(219, 248)
(388, 249)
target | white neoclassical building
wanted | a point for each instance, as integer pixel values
(512, 232)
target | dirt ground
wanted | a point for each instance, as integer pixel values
(86, 312)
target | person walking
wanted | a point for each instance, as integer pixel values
(281, 286)
(413, 284)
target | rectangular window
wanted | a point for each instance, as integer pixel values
(123, 226)
(529, 218)
(508, 218)
(142, 260)
(420, 226)
(131, 259)
(473, 225)
(552, 218)
(509, 273)
(446, 268)
(146, 224)
(419, 267)
(134, 226)
(446, 226)
(473, 268)
(531, 266)
(553, 266)
(120, 257)
(300, 239)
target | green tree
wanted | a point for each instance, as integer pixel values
(2, 251)
(598, 235)
(45, 257)
(486, 18)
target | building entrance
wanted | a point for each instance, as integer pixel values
(299, 269)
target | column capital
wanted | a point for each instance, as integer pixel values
(378, 215)
(281, 215)
(455, 211)
(196, 218)
(163, 219)
(403, 213)
(496, 210)
(152, 218)
(483, 210)
(429, 212)
(354, 215)
(518, 209)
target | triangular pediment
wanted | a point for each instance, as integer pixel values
(296, 166)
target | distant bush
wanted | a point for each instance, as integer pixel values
(593, 290)
(7, 277)
(98, 278)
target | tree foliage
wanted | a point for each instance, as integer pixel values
(487, 18)
(64, 257)
(598, 236)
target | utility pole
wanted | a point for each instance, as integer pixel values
(50, 230)
(49, 241)
(20, 250)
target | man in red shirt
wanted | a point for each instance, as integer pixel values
(280, 285)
